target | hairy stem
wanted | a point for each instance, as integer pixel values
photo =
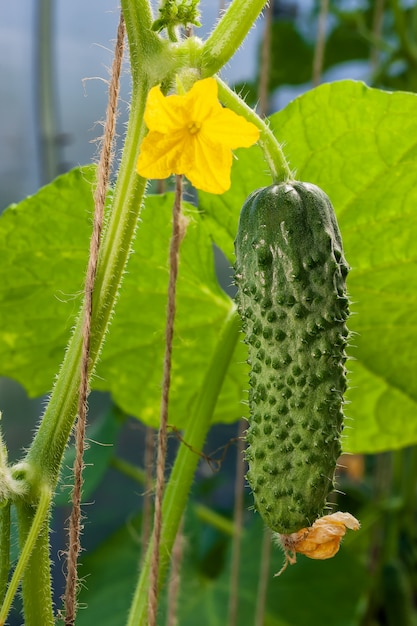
(44, 457)
(103, 176)
(179, 484)
(4, 547)
(174, 251)
(174, 578)
(229, 34)
(33, 564)
(46, 451)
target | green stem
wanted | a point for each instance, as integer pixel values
(4, 547)
(44, 457)
(48, 137)
(33, 565)
(181, 478)
(229, 34)
(151, 57)
(274, 155)
(46, 451)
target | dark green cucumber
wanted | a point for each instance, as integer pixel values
(291, 277)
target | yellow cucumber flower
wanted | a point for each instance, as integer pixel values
(192, 134)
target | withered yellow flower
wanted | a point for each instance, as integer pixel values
(319, 541)
(192, 134)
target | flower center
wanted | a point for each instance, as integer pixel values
(194, 127)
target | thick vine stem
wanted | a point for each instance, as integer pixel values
(5, 528)
(274, 155)
(48, 446)
(174, 256)
(181, 478)
(44, 457)
(229, 34)
(144, 43)
(33, 563)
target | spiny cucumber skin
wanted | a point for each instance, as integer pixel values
(291, 277)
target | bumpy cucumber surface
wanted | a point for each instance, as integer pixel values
(291, 277)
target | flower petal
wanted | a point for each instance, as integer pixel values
(211, 167)
(164, 114)
(162, 155)
(322, 551)
(345, 518)
(319, 541)
(230, 129)
(201, 100)
(192, 134)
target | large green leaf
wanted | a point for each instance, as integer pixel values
(360, 146)
(131, 363)
(44, 243)
(221, 213)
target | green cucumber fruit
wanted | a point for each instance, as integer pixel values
(291, 278)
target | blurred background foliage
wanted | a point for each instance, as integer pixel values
(374, 40)
(47, 126)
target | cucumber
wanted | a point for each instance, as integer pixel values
(291, 276)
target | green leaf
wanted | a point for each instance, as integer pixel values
(360, 146)
(41, 278)
(131, 363)
(45, 241)
(221, 213)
